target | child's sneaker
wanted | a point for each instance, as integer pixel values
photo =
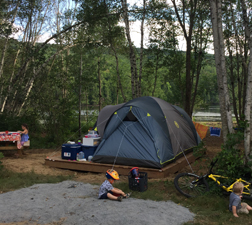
(119, 198)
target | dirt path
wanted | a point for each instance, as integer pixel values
(35, 161)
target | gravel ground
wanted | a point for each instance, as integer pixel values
(76, 203)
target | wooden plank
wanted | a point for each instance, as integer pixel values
(2, 148)
(8, 145)
(98, 167)
(178, 164)
(172, 168)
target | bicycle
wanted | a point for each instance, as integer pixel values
(192, 185)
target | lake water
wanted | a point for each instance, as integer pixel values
(211, 114)
(92, 112)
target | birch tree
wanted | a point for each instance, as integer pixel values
(7, 35)
(219, 50)
(248, 105)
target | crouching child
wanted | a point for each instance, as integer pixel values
(107, 191)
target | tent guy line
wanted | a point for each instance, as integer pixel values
(126, 128)
(180, 146)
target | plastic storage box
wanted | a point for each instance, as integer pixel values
(138, 183)
(91, 141)
(69, 151)
(88, 150)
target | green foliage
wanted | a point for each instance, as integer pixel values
(57, 127)
(10, 180)
(13, 123)
(63, 80)
(199, 150)
(1, 156)
(231, 158)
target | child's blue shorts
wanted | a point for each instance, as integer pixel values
(104, 196)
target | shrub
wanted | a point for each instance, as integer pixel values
(231, 158)
(199, 150)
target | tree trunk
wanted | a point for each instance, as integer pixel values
(225, 110)
(3, 56)
(141, 52)
(244, 84)
(239, 83)
(10, 82)
(232, 79)
(35, 75)
(80, 75)
(200, 58)
(188, 90)
(99, 79)
(188, 37)
(132, 54)
(247, 132)
(224, 72)
(155, 81)
(31, 35)
(26, 97)
(203, 41)
(86, 105)
(118, 74)
(4, 52)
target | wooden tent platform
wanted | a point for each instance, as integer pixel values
(172, 168)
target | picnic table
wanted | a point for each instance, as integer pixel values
(11, 137)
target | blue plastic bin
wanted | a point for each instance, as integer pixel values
(69, 151)
(88, 150)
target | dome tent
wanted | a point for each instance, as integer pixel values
(144, 132)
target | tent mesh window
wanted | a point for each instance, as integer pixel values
(130, 117)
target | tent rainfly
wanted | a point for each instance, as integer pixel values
(145, 132)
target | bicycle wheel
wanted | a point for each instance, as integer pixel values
(190, 185)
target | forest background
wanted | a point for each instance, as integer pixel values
(89, 60)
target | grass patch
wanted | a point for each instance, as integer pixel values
(10, 181)
(209, 209)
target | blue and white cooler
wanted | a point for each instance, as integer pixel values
(69, 151)
(88, 150)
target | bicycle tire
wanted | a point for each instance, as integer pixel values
(246, 197)
(183, 183)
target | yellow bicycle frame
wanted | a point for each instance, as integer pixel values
(230, 188)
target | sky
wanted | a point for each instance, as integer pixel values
(136, 35)
(134, 30)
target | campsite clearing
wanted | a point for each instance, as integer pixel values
(208, 210)
(35, 161)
